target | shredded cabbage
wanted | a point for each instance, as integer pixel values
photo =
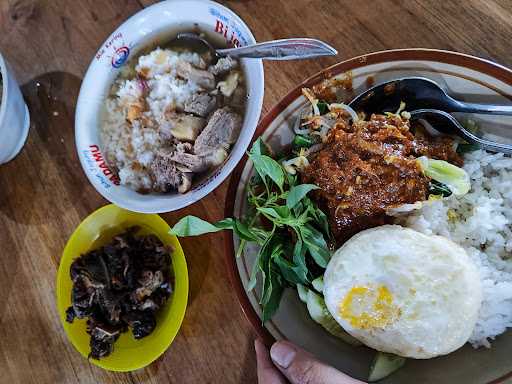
(401, 112)
(317, 124)
(400, 108)
(345, 107)
(300, 162)
(303, 114)
(311, 98)
(404, 208)
(406, 115)
(322, 132)
(455, 178)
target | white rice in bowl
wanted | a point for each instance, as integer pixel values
(170, 116)
(481, 222)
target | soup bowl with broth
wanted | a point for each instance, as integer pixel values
(121, 60)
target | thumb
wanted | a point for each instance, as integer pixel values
(300, 367)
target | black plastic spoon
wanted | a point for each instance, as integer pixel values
(426, 100)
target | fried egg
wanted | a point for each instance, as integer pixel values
(403, 292)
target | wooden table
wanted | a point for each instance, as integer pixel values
(44, 194)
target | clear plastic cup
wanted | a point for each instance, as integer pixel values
(14, 115)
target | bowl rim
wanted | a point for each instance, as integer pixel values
(4, 75)
(182, 292)
(485, 66)
(221, 173)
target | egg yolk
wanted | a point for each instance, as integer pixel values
(367, 307)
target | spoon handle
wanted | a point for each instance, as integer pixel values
(483, 143)
(487, 109)
(285, 49)
(488, 145)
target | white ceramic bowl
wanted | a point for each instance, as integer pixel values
(151, 26)
(14, 116)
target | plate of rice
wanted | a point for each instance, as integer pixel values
(418, 289)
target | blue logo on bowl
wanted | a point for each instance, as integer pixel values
(120, 56)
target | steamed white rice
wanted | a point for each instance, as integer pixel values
(481, 222)
(132, 147)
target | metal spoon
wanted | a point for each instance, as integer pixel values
(425, 100)
(444, 122)
(285, 49)
(418, 93)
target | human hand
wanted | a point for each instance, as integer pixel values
(288, 363)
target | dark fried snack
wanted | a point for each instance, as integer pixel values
(120, 286)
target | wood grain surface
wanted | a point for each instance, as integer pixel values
(44, 193)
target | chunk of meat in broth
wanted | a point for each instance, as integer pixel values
(223, 66)
(200, 162)
(201, 104)
(221, 131)
(166, 175)
(201, 77)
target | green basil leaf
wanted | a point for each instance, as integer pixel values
(275, 294)
(268, 167)
(268, 211)
(316, 244)
(194, 226)
(291, 179)
(299, 258)
(260, 265)
(260, 234)
(264, 266)
(302, 141)
(255, 181)
(262, 258)
(259, 148)
(308, 208)
(297, 193)
(298, 208)
(243, 231)
(322, 221)
(323, 107)
(290, 272)
(255, 200)
(254, 274)
(283, 211)
(241, 248)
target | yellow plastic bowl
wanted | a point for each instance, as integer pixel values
(96, 230)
